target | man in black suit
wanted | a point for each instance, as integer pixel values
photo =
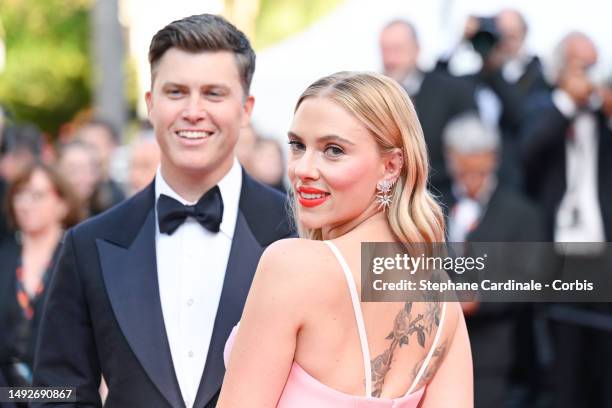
(147, 293)
(482, 209)
(566, 146)
(519, 67)
(437, 96)
(567, 124)
(507, 76)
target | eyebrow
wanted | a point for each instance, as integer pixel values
(326, 138)
(179, 85)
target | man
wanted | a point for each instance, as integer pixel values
(103, 138)
(483, 210)
(147, 293)
(499, 97)
(566, 147)
(520, 68)
(437, 97)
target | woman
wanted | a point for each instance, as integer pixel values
(40, 206)
(305, 340)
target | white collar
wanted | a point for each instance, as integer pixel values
(413, 81)
(230, 186)
(485, 194)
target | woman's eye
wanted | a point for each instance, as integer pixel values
(295, 146)
(334, 151)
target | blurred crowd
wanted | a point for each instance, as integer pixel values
(518, 153)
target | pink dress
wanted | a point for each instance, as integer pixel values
(304, 391)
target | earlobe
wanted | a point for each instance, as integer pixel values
(149, 102)
(247, 110)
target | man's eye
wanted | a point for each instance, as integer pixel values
(213, 93)
(174, 92)
(295, 146)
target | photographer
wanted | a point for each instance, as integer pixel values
(499, 100)
(566, 146)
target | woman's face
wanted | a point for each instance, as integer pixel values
(37, 205)
(333, 164)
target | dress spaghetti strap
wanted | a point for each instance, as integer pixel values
(365, 350)
(430, 353)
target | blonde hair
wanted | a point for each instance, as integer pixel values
(385, 109)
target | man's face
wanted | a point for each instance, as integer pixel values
(471, 171)
(197, 107)
(512, 32)
(399, 51)
(580, 53)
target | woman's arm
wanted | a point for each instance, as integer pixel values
(453, 382)
(263, 352)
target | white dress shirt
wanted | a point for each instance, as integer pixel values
(579, 216)
(191, 266)
(413, 81)
(515, 67)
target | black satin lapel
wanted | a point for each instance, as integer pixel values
(130, 276)
(241, 266)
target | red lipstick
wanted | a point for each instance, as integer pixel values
(311, 197)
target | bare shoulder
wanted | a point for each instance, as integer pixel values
(301, 264)
(295, 254)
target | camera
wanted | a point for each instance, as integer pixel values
(487, 36)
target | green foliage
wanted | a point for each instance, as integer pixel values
(279, 19)
(47, 75)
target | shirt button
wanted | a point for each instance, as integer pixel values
(190, 302)
(190, 354)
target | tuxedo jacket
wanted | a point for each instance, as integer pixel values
(508, 217)
(103, 313)
(544, 157)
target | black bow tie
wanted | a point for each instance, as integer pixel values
(208, 211)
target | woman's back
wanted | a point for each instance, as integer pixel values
(398, 336)
(399, 344)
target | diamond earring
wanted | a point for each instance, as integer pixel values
(383, 198)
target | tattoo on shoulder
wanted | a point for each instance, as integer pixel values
(436, 359)
(406, 326)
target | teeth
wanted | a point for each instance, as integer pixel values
(193, 134)
(311, 196)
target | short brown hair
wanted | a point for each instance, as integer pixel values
(61, 187)
(205, 33)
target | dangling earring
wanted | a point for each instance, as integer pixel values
(383, 198)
